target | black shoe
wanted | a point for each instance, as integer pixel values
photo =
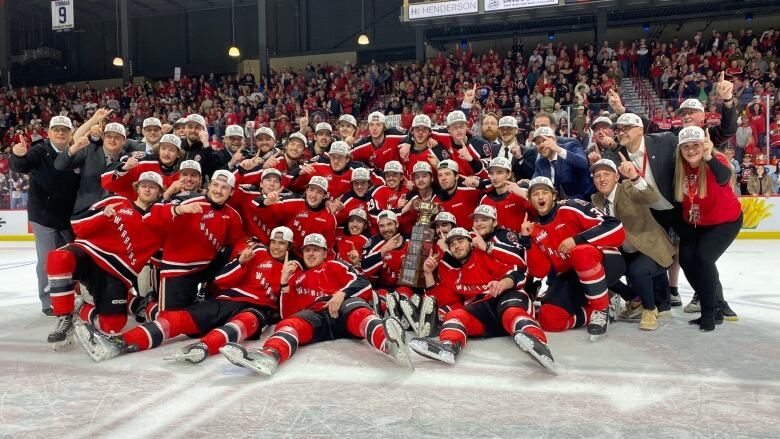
(718, 320)
(48, 312)
(675, 300)
(727, 313)
(63, 329)
(706, 323)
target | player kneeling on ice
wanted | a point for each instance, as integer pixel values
(112, 245)
(580, 244)
(326, 301)
(249, 289)
(494, 304)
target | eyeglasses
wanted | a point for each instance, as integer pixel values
(624, 129)
(60, 129)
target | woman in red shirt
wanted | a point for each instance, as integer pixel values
(702, 183)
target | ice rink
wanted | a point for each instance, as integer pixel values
(672, 383)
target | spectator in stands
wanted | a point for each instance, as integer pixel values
(760, 183)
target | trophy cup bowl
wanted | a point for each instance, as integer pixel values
(420, 245)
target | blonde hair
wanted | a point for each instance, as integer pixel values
(680, 185)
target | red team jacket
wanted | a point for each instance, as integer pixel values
(300, 218)
(121, 244)
(186, 252)
(461, 204)
(258, 281)
(311, 289)
(576, 219)
(383, 271)
(378, 156)
(121, 182)
(510, 209)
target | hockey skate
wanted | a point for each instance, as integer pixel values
(424, 318)
(536, 350)
(192, 353)
(599, 321)
(143, 303)
(693, 306)
(99, 346)
(263, 361)
(61, 337)
(393, 308)
(436, 350)
(395, 342)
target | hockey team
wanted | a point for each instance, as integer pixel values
(311, 237)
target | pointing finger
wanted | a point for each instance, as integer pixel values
(622, 157)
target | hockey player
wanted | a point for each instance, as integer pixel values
(355, 238)
(506, 196)
(461, 147)
(326, 301)
(120, 180)
(197, 245)
(338, 172)
(303, 216)
(317, 149)
(112, 245)
(249, 289)
(495, 300)
(291, 157)
(422, 179)
(381, 146)
(499, 242)
(454, 198)
(580, 244)
(347, 129)
(189, 182)
(257, 222)
(419, 148)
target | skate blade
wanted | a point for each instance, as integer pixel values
(396, 333)
(236, 356)
(189, 357)
(426, 309)
(422, 349)
(63, 345)
(92, 350)
(527, 345)
(408, 312)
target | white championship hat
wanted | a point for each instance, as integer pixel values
(540, 181)
(387, 214)
(455, 117)
(190, 164)
(421, 120)
(376, 116)
(320, 182)
(691, 104)
(501, 162)
(151, 176)
(448, 164)
(114, 127)
(234, 130)
(196, 118)
(690, 134)
(485, 210)
(601, 119)
(297, 136)
(422, 167)
(445, 217)
(360, 174)
(394, 166)
(172, 139)
(152, 122)
(629, 120)
(339, 147)
(457, 232)
(282, 233)
(603, 163)
(61, 121)
(315, 239)
(507, 121)
(359, 213)
(349, 119)
(323, 126)
(268, 172)
(226, 176)
(267, 131)
(543, 132)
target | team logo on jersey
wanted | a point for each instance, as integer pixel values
(541, 236)
(445, 154)
(264, 265)
(512, 237)
(208, 215)
(197, 157)
(303, 215)
(126, 211)
(138, 154)
(486, 149)
(560, 226)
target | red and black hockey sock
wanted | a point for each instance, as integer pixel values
(106, 323)
(405, 292)
(60, 265)
(290, 333)
(586, 260)
(458, 325)
(238, 329)
(363, 323)
(381, 296)
(517, 319)
(133, 301)
(553, 318)
(168, 325)
(443, 310)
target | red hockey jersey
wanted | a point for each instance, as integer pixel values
(377, 156)
(120, 244)
(469, 280)
(195, 238)
(576, 219)
(461, 204)
(300, 218)
(121, 182)
(510, 209)
(258, 281)
(312, 288)
(383, 270)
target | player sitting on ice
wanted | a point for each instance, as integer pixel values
(326, 301)
(580, 244)
(249, 289)
(112, 245)
(494, 303)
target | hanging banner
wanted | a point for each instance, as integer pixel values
(500, 5)
(62, 14)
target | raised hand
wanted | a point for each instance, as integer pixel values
(478, 240)
(469, 95)
(191, 208)
(166, 128)
(246, 255)
(430, 263)
(526, 227)
(391, 244)
(271, 198)
(627, 168)
(131, 163)
(288, 269)
(594, 155)
(79, 144)
(724, 88)
(20, 149)
(403, 150)
(465, 154)
(707, 144)
(101, 113)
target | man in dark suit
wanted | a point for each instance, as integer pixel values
(565, 165)
(653, 156)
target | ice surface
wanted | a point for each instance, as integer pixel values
(672, 383)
